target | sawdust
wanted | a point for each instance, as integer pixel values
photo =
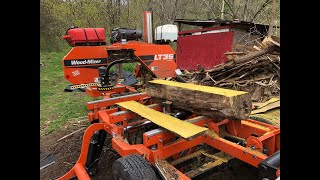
(272, 116)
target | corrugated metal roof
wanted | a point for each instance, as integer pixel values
(208, 23)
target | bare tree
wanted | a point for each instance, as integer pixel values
(260, 9)
(272, 18)
(57, 16)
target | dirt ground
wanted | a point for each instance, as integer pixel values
(67, 151)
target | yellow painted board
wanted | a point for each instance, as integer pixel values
(266, 108)
(272, 100)
(207, 89)
(182, 128)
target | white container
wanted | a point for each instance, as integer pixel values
(168, 32)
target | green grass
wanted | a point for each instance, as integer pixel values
(56, 106)
(130, 67)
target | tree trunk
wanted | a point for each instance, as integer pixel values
(270, 32)
(245, 11)
(222, 10)
(204, 100)
(260, 10)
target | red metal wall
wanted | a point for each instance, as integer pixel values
(205, 49)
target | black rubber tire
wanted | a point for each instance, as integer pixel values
(132, 167)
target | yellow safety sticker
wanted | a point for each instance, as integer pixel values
(105, 88)
(84, 85)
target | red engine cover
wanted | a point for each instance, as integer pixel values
(85, 36)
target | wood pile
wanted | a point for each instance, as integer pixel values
(253, 69)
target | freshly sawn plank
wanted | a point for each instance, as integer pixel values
(184, 129)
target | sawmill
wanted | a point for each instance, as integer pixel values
(181, 113)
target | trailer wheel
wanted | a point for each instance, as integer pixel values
(132, 167)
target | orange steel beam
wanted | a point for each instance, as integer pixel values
(112, 101)
(78, 170)
(96, 105)
(245, 154)
(93, 92)
(118, 89)
(81, 172)
(123, 148)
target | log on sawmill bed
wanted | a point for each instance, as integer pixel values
(204, 100)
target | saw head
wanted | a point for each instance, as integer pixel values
(107, 79)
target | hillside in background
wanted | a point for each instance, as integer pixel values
(56, 16)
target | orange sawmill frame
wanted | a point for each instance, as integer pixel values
(118, 89)
(258, 136)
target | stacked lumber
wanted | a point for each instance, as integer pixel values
(252, 69)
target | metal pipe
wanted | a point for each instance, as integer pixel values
(114, 98)
(147, 26)
(269, 166)
(94, 151)
(273, 160)
(137, 125)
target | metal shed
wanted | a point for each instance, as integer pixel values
(204, 46)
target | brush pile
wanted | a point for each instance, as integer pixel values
(253, 69)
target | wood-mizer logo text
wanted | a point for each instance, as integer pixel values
(85, 62)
